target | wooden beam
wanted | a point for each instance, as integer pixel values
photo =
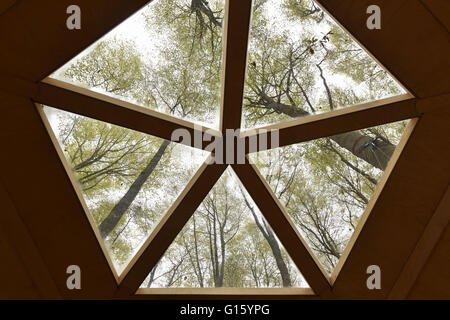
(234, 293)
(227, 291)
(168, 228)
(98, 106)
(423, 250)
(237, 22)
(284, 228)
(18, 86)
(339, 121)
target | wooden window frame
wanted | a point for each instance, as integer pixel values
(82, 101)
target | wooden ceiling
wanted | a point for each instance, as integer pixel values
(43, 227)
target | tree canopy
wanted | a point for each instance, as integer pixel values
(299, 63)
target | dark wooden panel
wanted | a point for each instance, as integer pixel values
(16, 283)
(412, 44)
(16, 235)
(433, 281)
(423, 250)
(47, 203)
(36, 37)
(402, 211)
(441, 11)
(5, 5)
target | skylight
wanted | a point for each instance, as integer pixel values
(226, 243)
(127, 179)
(300, 63)
(166, 57)
(326, 184)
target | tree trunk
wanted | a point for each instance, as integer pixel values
(276, 251)
(373, 151)
(152, 276)
(281, 264)
(110, 222)
(197, 258)
(202, 6)
(222, 266)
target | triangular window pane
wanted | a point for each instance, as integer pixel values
(300, 63)
(166, 57)
(326, 184)
(222, 246)
(127, 179)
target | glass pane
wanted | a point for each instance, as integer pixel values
(226, 243)
(300, 62)
(326, 184)
(166, 57)
(128, 179)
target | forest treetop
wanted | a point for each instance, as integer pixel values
(169, 58)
